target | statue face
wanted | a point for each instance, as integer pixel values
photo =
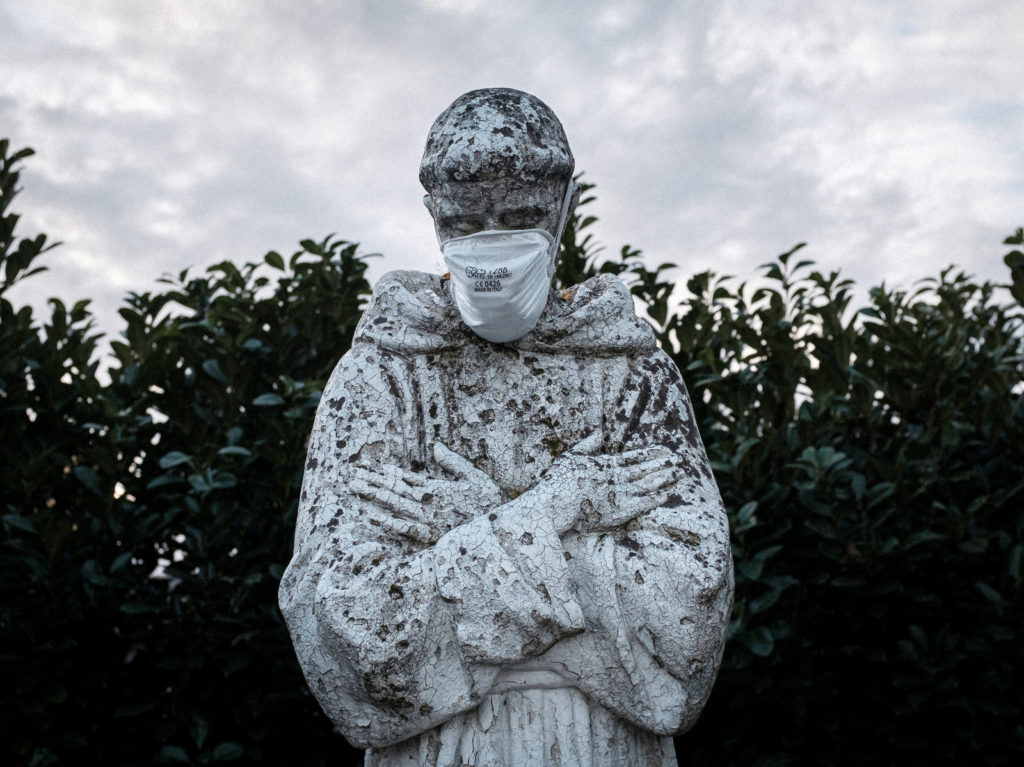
(466, 207)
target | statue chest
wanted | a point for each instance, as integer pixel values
(512, 413)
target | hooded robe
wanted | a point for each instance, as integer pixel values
(490, 640)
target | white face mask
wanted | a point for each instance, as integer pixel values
(500, 278)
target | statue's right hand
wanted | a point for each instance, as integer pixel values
(401, 495)
(422, 507)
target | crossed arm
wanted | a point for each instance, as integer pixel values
(408, 593)
(581, 490)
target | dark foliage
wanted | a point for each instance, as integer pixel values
(870, 460)
(147, 519)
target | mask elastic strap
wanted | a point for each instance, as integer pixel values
(570, 190)
(564, 218)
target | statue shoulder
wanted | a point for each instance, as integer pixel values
(410, 280)
(411, 311)
(594, 318)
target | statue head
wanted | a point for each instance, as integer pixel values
(496, 158)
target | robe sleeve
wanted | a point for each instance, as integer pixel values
(396, 637)
(656, 593)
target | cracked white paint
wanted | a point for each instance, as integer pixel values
(507, 554)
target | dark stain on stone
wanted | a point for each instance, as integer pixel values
(554, 445)
(686, 537)
(396, 392)
(628, 542)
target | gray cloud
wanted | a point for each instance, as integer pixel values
(719, 134)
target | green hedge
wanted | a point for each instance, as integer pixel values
(871, 460)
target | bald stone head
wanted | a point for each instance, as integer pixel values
(496, 158)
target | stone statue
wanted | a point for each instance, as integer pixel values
(510, 548)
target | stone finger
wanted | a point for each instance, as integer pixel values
(461, 467)
(374, 483)
(390, 500)
(408, 528)
(391, 475)
(643, 454)
(454, 463)
(656, 480)
(361, 487)
(640, 470)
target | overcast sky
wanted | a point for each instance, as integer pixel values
(888, 135)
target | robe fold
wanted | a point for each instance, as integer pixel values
(493, 639)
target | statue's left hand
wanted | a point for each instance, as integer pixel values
(611, 489)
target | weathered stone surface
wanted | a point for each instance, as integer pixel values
(496, 133)
(497, 158)
(508, 553)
